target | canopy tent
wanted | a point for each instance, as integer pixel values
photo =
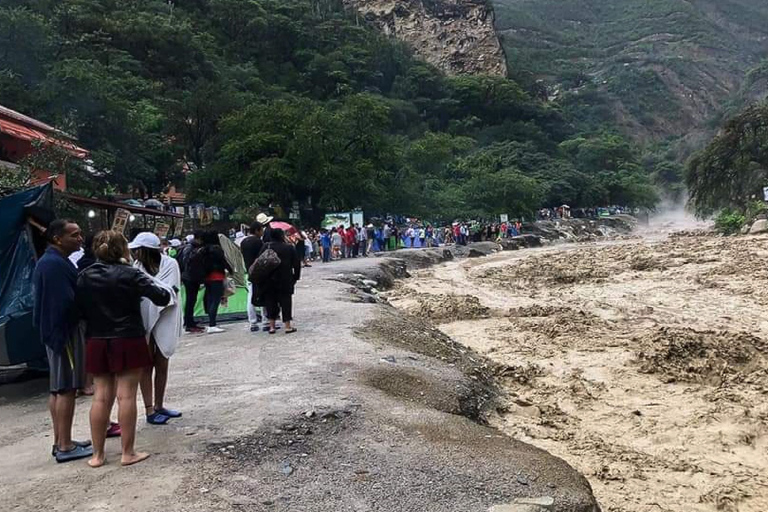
(19, 246)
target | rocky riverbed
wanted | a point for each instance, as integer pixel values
(641, 363)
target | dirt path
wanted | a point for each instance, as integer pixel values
(642, 364)
(335, 418)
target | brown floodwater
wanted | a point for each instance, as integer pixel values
(642, 362)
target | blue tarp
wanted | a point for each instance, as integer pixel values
(19, 342)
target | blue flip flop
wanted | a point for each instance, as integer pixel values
(78, 452)
(157, 419)
(169, 412)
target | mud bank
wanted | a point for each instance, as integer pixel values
(641, 364)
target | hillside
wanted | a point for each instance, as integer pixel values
(667, 66)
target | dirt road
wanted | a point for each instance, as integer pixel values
(643, 364)
(337, 417)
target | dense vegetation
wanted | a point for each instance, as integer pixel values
(730, 173)
(664, 68)
(271, 102)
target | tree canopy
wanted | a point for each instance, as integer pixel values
(733, 169)
(271, 102)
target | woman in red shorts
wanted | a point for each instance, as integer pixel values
(109, 294)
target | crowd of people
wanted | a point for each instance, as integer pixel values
(341, 242)
(109, 312)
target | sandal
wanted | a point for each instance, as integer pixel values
(291, 330)
(157, 419)
(272, 331)
(114, 430)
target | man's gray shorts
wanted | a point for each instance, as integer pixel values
(67, 369)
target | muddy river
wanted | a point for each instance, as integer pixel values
(643, 363)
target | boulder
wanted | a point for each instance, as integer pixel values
(760, 226)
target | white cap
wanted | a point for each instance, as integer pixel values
(146, 239)
(190, 238)
(175, 242)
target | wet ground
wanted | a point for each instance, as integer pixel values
(364, 409)
(643, 363)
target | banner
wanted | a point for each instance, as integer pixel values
(162, 228)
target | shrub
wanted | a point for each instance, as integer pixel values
(729, 222)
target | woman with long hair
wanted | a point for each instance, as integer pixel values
(216, 267)
(109, 295)
(163, 324)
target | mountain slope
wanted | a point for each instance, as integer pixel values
(667, 66)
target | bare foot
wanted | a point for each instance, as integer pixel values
(133, 458)
(97, 462)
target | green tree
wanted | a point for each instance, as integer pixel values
(733, 168)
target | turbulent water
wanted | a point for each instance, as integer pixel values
(642, 363)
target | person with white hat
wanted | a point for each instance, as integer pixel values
(174, 249)
(162, 323)
(264, 220)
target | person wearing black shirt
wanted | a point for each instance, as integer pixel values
(251, 247)
(277, 290)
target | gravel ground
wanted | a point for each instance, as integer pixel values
(350, 413)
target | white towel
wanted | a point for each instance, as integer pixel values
(164, 322)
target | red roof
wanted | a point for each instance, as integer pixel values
(25, 132)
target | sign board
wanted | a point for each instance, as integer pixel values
(207, 217)
(334, 220)
(162, 228)
(504, 217)
(178, 228)
(121, 219)
(358, 218)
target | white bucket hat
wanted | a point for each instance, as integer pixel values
(147, 240)
(263, 219)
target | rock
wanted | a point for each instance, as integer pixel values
(760, 226)
(474, 253)
(287, 469)
(457, 37)
(534, 504)
(388, 359)
(543, 501)
(517, 507)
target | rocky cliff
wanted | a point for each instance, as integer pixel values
(457, 36)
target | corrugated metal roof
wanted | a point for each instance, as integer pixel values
(30, 122)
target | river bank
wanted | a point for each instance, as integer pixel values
(643, 364)
(363, 409)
